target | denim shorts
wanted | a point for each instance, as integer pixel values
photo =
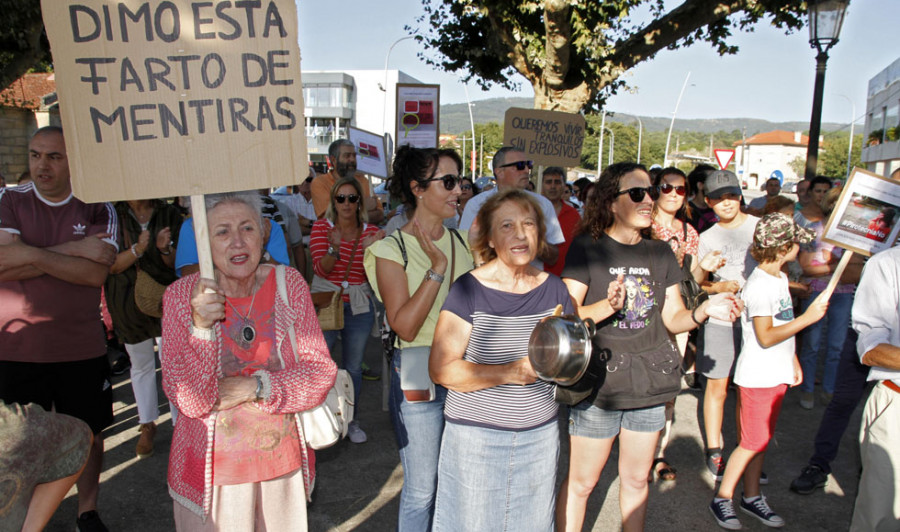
(591, 421)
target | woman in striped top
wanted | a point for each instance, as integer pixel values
(337, 243)
(497, 468)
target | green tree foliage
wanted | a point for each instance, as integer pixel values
(833, 154)
(574, 52)
(832, 161)
(23, 45)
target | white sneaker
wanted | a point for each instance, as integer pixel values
(355, 433)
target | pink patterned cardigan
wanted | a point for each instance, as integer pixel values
(191, 371)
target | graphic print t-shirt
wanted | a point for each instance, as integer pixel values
(757, 366)
(649, 268)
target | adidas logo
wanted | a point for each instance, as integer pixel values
(78, 229)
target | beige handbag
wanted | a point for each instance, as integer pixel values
(148, 294)
(326, 424)
(331, 316)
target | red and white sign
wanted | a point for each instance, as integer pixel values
(724, 157)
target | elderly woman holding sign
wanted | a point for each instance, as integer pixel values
(238, 461)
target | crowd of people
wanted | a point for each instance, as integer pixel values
(681, 277)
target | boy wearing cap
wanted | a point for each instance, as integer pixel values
(767, 364)
(720, 341)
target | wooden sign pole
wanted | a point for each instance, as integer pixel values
(201, 232)
(836, 276)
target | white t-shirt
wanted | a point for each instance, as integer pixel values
(757, 366)
(734, 244)
(553, 234)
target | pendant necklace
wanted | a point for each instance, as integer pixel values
(247, 333)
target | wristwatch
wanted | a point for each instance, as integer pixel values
(259, 387)
(432, 275)
(334, 252)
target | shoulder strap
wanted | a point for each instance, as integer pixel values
(281, 282)
(460, 238)
(402, 247)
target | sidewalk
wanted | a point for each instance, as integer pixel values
(358, 486)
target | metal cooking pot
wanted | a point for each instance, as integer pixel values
(560, 348)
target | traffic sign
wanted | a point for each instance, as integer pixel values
(724, 157)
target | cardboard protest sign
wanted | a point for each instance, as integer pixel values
(371, 155)
(550, 138)
(166, 98)
(417, 122)
(865, 218)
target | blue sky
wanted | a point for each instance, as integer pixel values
(771, 77)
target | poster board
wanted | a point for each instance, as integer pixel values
(417, 120)
(549, 138)
(371, 152)
(178, 98)
(866, 218)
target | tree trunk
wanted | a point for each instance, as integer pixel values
(569, 100)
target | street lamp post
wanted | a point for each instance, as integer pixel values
(852, 121)
(640, 134)
(672, 123)
(825, 19)
(384, 87)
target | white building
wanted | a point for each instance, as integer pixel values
(335, 100)
(759, 156)
(881, 151)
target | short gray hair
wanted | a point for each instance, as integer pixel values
(249, 198)
(334, 149)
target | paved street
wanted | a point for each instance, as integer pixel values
(358, 486)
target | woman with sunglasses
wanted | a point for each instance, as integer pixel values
(670, 214)
(467, 189)
(337, 244)
(411, 272)
(609, 256)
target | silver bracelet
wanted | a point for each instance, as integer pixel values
(133, 252)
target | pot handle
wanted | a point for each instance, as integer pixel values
(590, 326)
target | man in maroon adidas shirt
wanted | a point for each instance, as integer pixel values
(55, 253)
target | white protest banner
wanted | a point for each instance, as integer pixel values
(864, 219)
(550, 138)
(176, 98)
(371, 155)
(417, 122)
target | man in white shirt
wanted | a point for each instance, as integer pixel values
(876, 319)
(512, 169)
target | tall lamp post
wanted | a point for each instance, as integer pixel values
(672, 124)
(825, 19)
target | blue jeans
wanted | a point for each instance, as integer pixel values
(848, 390)
(418, 428)
(354, 336)
(501, 480)
(838, 317)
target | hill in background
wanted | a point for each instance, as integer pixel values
(455, 119)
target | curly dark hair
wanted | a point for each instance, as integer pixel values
(598, 215)
(416, 164)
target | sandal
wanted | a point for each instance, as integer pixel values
(667, 473)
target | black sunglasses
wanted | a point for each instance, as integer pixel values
(637, 193)
(520, 165)
(465, 187)
(450, 181)
(666, 188)
(352, 198)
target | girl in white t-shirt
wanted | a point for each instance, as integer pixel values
(766, 366)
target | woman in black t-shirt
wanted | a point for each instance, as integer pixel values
(629, 286)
